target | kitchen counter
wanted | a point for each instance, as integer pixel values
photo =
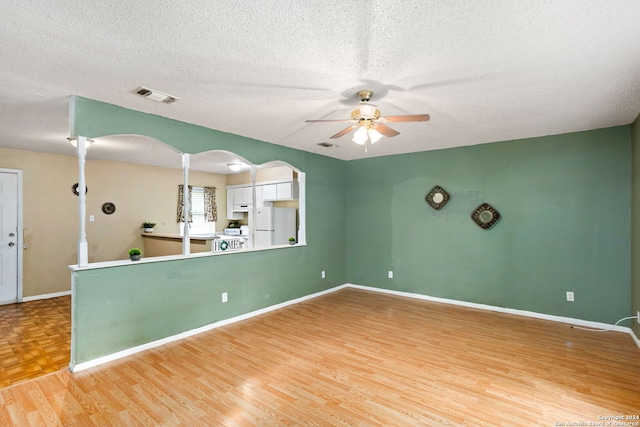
(178, 236)
(161, 244)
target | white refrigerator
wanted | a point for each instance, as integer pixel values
(274, 226)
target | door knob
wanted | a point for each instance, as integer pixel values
(11, 244)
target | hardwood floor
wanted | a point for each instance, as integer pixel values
(352, 358)
(34, 339)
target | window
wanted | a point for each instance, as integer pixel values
(197, 204)
(199, 225)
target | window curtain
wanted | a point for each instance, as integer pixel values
(210, 207)
(181, 203)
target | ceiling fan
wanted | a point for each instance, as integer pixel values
(369, 123)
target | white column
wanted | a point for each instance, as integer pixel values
(302, 208)
(254, 212)
(83, 253)
(186, 242)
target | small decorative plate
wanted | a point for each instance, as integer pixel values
(108, 208)
(486, 216)
(74, 188)
(437, 197)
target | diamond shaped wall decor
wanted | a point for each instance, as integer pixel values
(486, 216)
(437, 197)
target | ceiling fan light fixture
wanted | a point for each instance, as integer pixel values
(367, 110)
(73, 141)
(360, 136)
(374, 135)
(236, 167)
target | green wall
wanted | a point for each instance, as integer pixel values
(565, 205)
(120, 307)
(565, 202)
(635, 226)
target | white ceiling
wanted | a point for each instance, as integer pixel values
(484, 70)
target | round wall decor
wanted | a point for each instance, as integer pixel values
(74, 188)
(108, 208)
(437, 197)
(486, 216)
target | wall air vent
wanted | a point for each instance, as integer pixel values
(155, 95)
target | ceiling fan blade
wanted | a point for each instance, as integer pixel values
(317, 121)
(386, 130)
(344, 132)
(411, 118)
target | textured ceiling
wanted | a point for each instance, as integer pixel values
(484, 70)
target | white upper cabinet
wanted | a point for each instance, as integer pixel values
(230, 199)
(245, 196)
(284, 191)
(259, 197)
(280, 191)
(240, 198)
(269, 192)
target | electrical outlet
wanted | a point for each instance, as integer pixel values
(92, 218)
(323, 274)
(570, 296)
(638, 318)
(224, 297)
(390, 274)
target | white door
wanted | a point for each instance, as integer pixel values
(8, 237)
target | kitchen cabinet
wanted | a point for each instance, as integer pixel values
(280, 191)
(284, 191)
(230, 200)
(269, 192)
(259, 196)
(240, 198)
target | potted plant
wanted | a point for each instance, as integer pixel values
(134, 254)
(292, 240)
(147, 227)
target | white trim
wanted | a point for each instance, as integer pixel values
(46, 296)
(560, 319)
(157, 343)
(83, 246)
(118, 263)
(72, 357)
(20, 241)
(302, 208)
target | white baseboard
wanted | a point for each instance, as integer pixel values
(560, 319)
(46, 296)
(186, 334)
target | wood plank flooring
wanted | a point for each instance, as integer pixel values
(34, 339)
(351, 358)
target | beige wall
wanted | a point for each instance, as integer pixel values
(50, 214)
(267, 174)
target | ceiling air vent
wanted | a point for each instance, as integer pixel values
(327, 145)
(155, 95)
